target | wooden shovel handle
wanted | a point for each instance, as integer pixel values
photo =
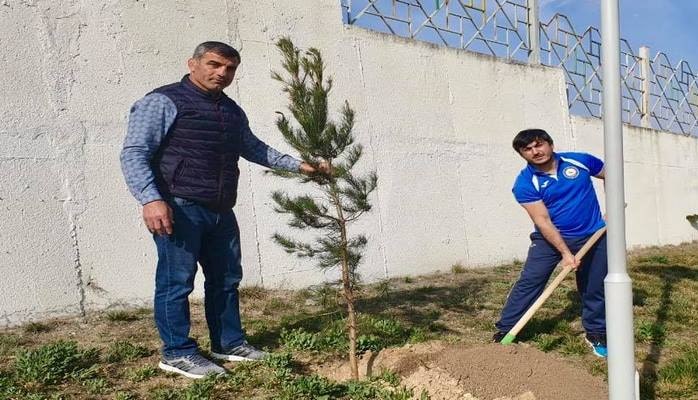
(555, 283)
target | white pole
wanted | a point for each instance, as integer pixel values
(618, 286)
(646, 78)
(533, 32)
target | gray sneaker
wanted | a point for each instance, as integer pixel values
(244, 352)
(192, 366)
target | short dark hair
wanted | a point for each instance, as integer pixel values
(219, 48)
(528, 136)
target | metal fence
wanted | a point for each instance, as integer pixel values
(655, 92)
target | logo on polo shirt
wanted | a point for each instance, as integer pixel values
(570, 172)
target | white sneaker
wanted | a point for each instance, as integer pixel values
(193, 366)
(244, 352)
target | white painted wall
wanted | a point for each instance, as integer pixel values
(661, 179)
(436, 124)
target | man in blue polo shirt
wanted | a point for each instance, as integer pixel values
(556, 191)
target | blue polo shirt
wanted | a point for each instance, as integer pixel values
(568, 195)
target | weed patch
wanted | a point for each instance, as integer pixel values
(36, 327)
(377, 333)
(574, 346)
(457, 268)
(655, 259)
(95, 385)
(649, 332)
(164, 393)
(202, 389)
(253, 292)
(55, 362)
(683, 370)
(326, 296)
(331, 338)
(122, 316)
(125, 351)
(9, 343)
(124, 396)
(141, 374)
(546, 342)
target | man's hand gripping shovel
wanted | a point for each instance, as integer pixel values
(511, 335)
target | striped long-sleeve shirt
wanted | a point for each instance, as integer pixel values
(148, 124)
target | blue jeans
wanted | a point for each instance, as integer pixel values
(213, 240)
(540, 263)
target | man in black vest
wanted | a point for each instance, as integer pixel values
(180, 161)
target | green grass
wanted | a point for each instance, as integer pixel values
(278, 374)
(654, 259)
(457, 268)
(55, 362)
(125, 351)
(326, 296)
(311, 387)
(649, 332)
(9, 343)
(36, 327)
(375, 334)
(574, 346)
(202, 389)
(254, 292)
(61, 360)
(681, 373)
(95, 385)
(125, 396)
(141, 374)
(122, 316)
(275, 305)
(666, 280)
(383, 288)
(547, 342)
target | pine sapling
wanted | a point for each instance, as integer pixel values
(340, 197)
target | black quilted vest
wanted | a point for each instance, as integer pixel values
(198, 159)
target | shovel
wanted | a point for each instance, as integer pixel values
(511, 335)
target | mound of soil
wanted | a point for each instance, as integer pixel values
(486, 372)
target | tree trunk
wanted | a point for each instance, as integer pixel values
(347, 286)
(351, 320)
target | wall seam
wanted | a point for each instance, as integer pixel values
(381, 246)
(459, 167)
(567, 120)
(75, 244)
(233, 37)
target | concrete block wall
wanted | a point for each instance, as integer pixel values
(436, 124)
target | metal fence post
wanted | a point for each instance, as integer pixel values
(646, 74)
(533, 32)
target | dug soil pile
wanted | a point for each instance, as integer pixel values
(485, 372)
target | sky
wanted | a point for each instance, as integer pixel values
(670, 26)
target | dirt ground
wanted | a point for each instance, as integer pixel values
(484, 372)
